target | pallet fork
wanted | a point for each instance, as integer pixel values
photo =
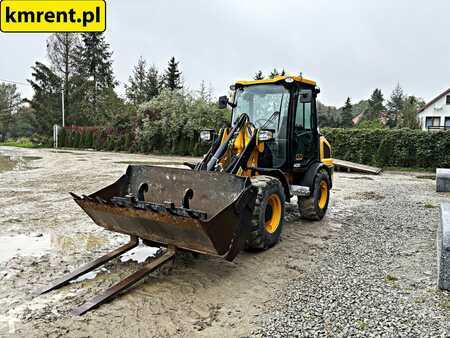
(117, 288)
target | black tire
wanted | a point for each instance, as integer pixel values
(267, 222)
(313, 208)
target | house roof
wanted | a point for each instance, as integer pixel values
(437, 98)
(357, 118)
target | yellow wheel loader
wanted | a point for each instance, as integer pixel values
(235, 197)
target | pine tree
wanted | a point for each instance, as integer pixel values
(259, 75)
(46, 101)
(376, 105)
(135, 91)
(395, 106)
(143, 84)
(172, 76)
(273, 73)
(95, 79)
(347, 114)
(153, 82)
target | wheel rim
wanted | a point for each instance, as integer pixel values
(323, 194)
(273, 213)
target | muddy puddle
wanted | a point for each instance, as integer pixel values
(38, 245)
(140, 254)
(14, 162)
(23, 245)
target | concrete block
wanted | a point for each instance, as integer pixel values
(443, 248)
(443, 180)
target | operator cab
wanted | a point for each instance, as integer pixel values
(286, 106)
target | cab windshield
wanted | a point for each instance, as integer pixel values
(260, 102)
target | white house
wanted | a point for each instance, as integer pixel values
(435, 115)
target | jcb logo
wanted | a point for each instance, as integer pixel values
(52, 16)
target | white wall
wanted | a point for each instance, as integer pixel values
(439, 108)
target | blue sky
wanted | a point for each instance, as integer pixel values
(349, 47)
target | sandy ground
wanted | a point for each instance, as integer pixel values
(44, 234)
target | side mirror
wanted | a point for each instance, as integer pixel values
(265, 135)
(207, 135)
(305, 95)
(223, 102)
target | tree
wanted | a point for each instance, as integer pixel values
(327, 116)
(274, 73)
(259, 75)
(409, 112)
(205, 93)
(395, 106)
(61, 51)
(370, 124)
(135, 91)
(94, 75)
(172, 76)
(46, 101)
(376, 105)
(9, 104)
(153, 82)
(347, 114)
(21, 125)
(143, 84)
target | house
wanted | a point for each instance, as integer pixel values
(435, 115)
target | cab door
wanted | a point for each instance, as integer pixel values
(305, 137)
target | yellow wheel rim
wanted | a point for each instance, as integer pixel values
(323, 194)
(273, 213)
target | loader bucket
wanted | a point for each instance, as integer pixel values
(199, 211)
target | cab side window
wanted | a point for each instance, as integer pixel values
(303, 116)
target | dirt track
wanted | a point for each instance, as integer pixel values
(201, 296)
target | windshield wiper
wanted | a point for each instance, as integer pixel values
(275, 113)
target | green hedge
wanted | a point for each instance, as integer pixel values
(391, 147)
(380, 147)
(110, 140)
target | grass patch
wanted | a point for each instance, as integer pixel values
(429, 206)
(22, 142)
(392, 281)
(390, 278)
(420, 300)
(20, 145)
(362, 325)
(446, 305)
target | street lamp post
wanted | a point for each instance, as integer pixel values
(62, 106)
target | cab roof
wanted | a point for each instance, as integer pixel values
(276, 79)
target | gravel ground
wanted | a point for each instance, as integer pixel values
(378, 277)
(367, 269)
